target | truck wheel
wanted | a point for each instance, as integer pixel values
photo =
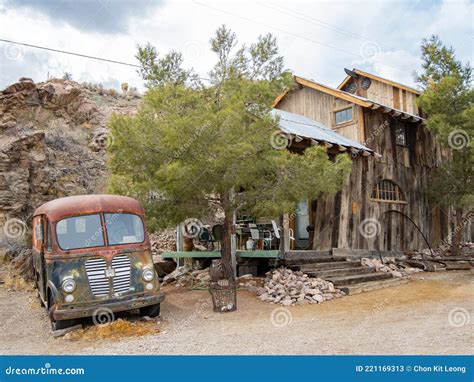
(58, 324)
(62, 324)
(150, 311)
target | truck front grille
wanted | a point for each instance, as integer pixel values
(98, 281)
(121, 280)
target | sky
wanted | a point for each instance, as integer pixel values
(318, 39)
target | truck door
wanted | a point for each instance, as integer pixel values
(39, 223)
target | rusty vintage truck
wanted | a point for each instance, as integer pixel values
(92, 258)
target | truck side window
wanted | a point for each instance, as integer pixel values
(49, 242)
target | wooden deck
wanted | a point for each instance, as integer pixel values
(273, 254)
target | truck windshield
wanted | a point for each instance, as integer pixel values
(80, 232)
(124, 228)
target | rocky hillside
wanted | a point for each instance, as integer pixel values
(53, 141)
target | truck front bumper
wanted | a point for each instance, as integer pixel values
(105, 308)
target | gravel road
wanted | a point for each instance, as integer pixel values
(432, 314)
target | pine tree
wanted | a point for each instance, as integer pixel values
(448, 100)
(200, 148)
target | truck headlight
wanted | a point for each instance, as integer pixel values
(68, 285)
(148, 274)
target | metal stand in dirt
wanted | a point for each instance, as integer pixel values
(222, 286)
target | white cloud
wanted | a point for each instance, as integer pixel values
(317, 39)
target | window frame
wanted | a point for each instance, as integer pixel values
(104, 230)
(123, 213)
(340, 109)
(398, 126)
(380, 193)
(104, 238)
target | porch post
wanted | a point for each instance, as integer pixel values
(285, 235)
(233, 244)
(179, 240)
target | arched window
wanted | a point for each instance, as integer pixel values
(387, 191)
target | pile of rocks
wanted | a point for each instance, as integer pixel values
(286, 287)
(186, 276)
(444, 250)
(389, 265)
(162, 241)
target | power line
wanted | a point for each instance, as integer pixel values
(276, 28)
(312, 20)
(79, 55)
(70, 53)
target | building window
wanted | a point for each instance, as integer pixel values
(387, 191)
(344, 115)
(400, 135)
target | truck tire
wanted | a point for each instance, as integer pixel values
(58, 324)
(150, 311)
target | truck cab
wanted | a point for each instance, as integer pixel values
(92, 258)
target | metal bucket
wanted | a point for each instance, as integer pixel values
(224, 295)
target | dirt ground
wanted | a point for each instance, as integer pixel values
(432, 314)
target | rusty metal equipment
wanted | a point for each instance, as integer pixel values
(222, 286)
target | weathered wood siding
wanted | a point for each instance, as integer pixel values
(389, 95)
(339, 218)
(320, 107)
(351, 219)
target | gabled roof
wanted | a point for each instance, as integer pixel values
(300, 127)
(381, 79)
(358, 100)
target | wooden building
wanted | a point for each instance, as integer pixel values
(382, 201)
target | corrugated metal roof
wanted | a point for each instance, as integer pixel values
(305, 127)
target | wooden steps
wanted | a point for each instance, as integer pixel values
(373, 285)
(306, 257)
(356, 279)
(329, 273)
(321, 266)
(342, 267)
